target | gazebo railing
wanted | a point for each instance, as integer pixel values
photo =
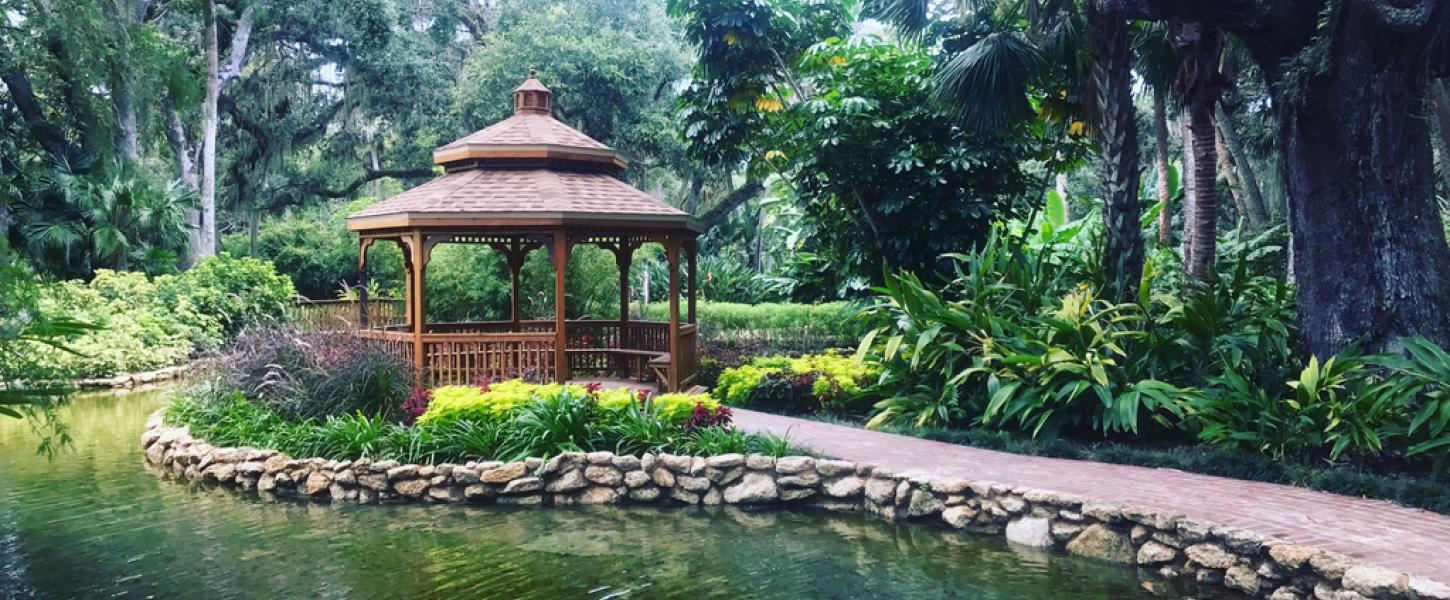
(343, 314)
(458, 353)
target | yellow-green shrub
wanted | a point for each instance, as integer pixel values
(465, 402)
(615, 399)
(833, 381)
(676, 408)
(838, 378)
(735, 385)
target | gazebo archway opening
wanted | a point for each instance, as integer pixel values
(527, 184)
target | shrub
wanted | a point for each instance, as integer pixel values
(239, 292)
(1009, 342)
(485, 403)
(549, 419)
(729, 328)
(549, 424)
(138, 330)
(809, 382)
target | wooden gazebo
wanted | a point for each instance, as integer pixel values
(526, 183)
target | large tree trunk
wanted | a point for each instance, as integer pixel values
(1117, 129)
(206, 238)
(1253, 195)
(1160, 164)
(185, 151)
(1369, 247)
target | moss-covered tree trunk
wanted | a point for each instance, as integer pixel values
(1369, 248)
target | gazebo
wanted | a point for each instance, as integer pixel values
(525, 183)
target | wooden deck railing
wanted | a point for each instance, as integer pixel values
(457, 353)
(342, 315)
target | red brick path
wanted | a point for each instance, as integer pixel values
(1409, 540)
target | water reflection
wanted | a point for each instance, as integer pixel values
(92, 523)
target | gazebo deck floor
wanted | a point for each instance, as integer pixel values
(616, 383)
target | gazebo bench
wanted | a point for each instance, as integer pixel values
(638, 360)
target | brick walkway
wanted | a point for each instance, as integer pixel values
(1408, 540)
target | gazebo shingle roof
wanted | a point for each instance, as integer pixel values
(527, 167)
(528, 129)
(522, 192)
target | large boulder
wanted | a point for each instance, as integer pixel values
(753, 488)
(1101, 542)
(1030, 531)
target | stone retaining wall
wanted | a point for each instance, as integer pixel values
(127, 380)
(1170, 546)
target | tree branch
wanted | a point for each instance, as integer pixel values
(718, 213)
(1227, 14)
(237, 56)
(318, 125)
(371, 175)
(45, 133)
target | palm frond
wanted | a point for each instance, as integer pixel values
(986, 84)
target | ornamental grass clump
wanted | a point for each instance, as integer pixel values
(304, 375)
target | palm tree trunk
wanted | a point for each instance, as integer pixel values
(1441, 100)
(1203, 209)
(1186, 134)
(1201, 84)
(1230, 178)
(1244, 170)
(1118, 143)
(1160, 165)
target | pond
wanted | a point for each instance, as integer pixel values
(93, 523)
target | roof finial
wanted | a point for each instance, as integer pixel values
(532, 97)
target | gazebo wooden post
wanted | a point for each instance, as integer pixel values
(672, 252)
(515, 259)
(561, 336)
(623, 258)
(420, 301)
(362, 281)
(690, 262)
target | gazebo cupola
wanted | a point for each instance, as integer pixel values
(532, 137)
(527, 183)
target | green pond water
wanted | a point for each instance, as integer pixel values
(93, 523)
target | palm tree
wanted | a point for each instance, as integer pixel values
(105, 218)
(1157, 65)
(1199, 86)
(989, 81)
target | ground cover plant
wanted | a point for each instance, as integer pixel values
(332, 396)
(811, 382)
